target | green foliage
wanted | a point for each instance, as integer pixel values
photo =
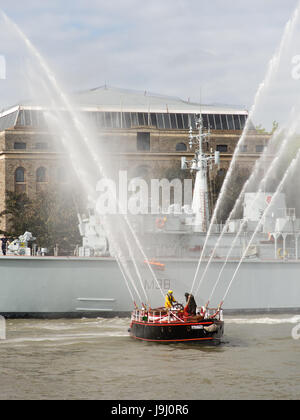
(50, 216)
(261, 130)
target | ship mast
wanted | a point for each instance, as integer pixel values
(200, 164)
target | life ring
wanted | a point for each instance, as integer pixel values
(160, 222)
(280, 254)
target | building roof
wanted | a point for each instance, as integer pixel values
(112, 100)
(116, 99)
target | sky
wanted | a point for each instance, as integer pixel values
(214, 49)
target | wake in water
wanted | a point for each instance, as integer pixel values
(267, 321)
(62, 332)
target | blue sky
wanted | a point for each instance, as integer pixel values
(173, 47)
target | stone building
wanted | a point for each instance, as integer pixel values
(149, 132)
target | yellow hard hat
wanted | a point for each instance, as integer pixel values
(170, 291)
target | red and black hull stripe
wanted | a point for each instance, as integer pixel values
(172, 332)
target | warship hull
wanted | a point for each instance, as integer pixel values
(93, 287)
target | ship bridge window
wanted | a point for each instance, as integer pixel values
(223, 148)
(143, 142)
(181, 147)
(41, 174)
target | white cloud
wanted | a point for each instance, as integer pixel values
(169, 46)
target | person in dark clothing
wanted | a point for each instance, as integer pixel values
(191, 306)
(4, 244)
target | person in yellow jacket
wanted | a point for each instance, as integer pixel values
(170, 300)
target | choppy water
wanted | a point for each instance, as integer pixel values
(96, 359)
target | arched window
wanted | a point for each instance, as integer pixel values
(20, 186)
(181, 147)
(20, 175)
(41, 174)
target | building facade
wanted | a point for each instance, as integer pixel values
(147, 133)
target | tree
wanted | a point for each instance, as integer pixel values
(50, 216)
(261, 130)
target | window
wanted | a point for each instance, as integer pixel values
(181, 147)
(167, 121)
(41, 174)
(223, 148)
(141, 119)
(173, 121)
(143, 142)
(205, 121)
(115, 117)
(237, 122)
(185, 120)
(107, 120)
(243, 120)
(20, 175)
(224, 122)
(211, 121)
(126, 120)
(221, 172)
(218, 122)
(153, 120)
(230, 122)
(19, 146)
(179, 121)
(160, 121)
(20, 186)
(259, 148)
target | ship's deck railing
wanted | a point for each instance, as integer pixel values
(159, 316)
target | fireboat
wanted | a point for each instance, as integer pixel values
(173, 326)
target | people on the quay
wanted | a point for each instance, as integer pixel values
(4, 241)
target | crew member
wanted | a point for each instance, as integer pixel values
(170, 300)
(191, 306)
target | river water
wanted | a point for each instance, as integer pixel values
(96, 359)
